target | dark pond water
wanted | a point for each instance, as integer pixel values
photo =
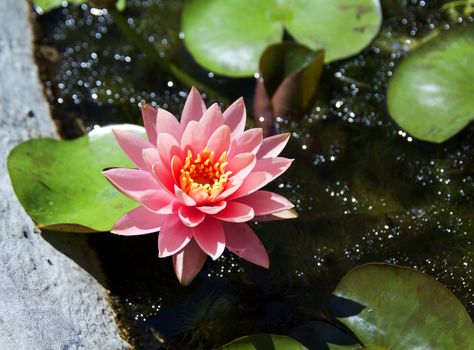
(364, 189)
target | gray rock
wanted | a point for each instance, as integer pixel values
(47, 301)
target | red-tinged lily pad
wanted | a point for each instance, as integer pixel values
(401, 308)
(264, 342)
(431, 93)
(60, 182)
(228, 37)
(291, 74)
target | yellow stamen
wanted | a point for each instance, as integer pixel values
(201, 172)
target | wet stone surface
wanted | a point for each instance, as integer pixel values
(365, 190)
(51, 295)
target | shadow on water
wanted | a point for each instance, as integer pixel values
(343, 307)
(365, 191)
(320, 329)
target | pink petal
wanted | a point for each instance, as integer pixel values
(212, 209)
(168, 147)
(265, 171)
(190, 216)
(241, 240)
(253, 182)
(150, 157)
(149, 121)
(275, 166)
(159, 201)
(236, 212)
(211, 120)
(193, 138)
(265, 202)
(273, 145)
(163, 176)
(131, 182)
(138, 221)
(132, 145)
(235, 117)
(248, 141)
(209, 235)
(241, 165)
(167, 123)
(281, 215)
(182, 197)
(173, 236)
(219, 142)
(188, 262)
(194, 108)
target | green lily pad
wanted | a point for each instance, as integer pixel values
(403, 309)
(291, 74)
(228, 37)
(430, 94)
(60, 182)
(264, 342)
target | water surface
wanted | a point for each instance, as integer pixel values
(365, 190)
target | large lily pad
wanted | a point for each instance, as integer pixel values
(403, 309)
(264, 342)
(60, 182)
(431, 92)
(229, 36)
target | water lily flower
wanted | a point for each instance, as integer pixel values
(198, 181)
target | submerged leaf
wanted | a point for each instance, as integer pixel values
(60, 182)
(430, 94)
(48, 5)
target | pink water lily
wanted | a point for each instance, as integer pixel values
(198, 181)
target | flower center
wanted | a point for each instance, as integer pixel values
(203, 173)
